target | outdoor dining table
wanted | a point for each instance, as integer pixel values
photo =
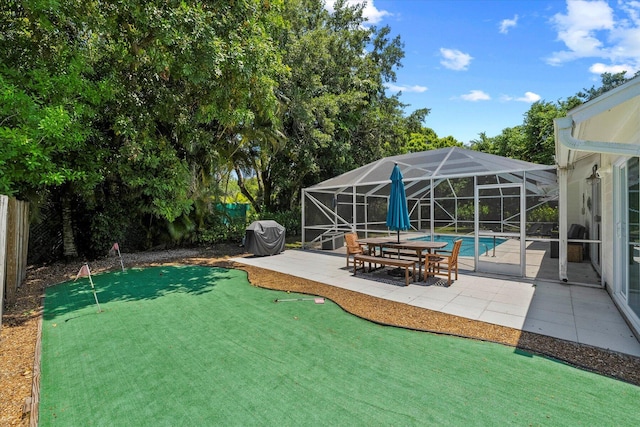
(388, 242)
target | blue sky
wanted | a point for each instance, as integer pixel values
(480, 64)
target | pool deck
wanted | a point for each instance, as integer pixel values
(582, 314)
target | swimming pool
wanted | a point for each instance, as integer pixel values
(486, 243)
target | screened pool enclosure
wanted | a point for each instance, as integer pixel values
(502, 206)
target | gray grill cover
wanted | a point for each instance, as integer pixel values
(264, 238)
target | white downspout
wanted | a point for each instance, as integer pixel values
(564, 129)
(562, 223)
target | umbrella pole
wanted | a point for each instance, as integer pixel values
(397, 271)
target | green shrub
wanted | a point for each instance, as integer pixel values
(288, 219)
(221, 232)
(544, 213)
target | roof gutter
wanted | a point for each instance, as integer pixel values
(564, 129)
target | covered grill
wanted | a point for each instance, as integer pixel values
(264, 238)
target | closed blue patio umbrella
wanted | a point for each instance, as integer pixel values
(397, 211)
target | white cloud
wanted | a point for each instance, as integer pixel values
(600, 68)
(454, 59)
(373, 14)
(476, 95)
(632, 8)
(592, 29)
(370, 12)
(406, 89)
(628, 44)
(508, 23)
(529, 98)
(577, 29)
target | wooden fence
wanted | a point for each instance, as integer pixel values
(14, 242)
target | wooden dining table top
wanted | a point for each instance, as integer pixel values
(390, 242)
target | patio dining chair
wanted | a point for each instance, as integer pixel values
(444, 262)
(353, 247)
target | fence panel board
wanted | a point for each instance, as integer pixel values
(11, 272)
(14, 242)
(4, 205)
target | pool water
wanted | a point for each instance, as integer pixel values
(486, 243)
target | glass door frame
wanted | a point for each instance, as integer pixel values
(620, 254)
(595, 248)
(521, 235)
(628, 240)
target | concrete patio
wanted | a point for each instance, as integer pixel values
(581, 314)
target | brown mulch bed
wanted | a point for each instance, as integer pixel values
(20, 322)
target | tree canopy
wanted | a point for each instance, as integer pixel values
(134, 120)
(131, 117)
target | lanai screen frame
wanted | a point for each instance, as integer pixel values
(422, 171)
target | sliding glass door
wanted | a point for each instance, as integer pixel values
(633, 234)
(627, 183)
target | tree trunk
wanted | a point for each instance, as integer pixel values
(68, 241)
(245, 192)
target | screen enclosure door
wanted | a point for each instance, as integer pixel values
(500, 229)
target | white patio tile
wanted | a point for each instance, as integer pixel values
(552, 289)
(429, 303)
(551, 305)
(565, 332)
(512, 299)
(519, 294)
(503, 319)
(593, 308)
(378, 292)
(414, 289)
(478, 293)
(518, 289)
(598, 324)
(463, 310)
(510, 309)
(402, 297)
(550, 316)
(470, 302)
(616, 342)
(507, 283)
(489, 285)
(364, 286)
(464, 284)
(584, 293)
(440, 294)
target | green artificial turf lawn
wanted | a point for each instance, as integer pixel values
(196, 346)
